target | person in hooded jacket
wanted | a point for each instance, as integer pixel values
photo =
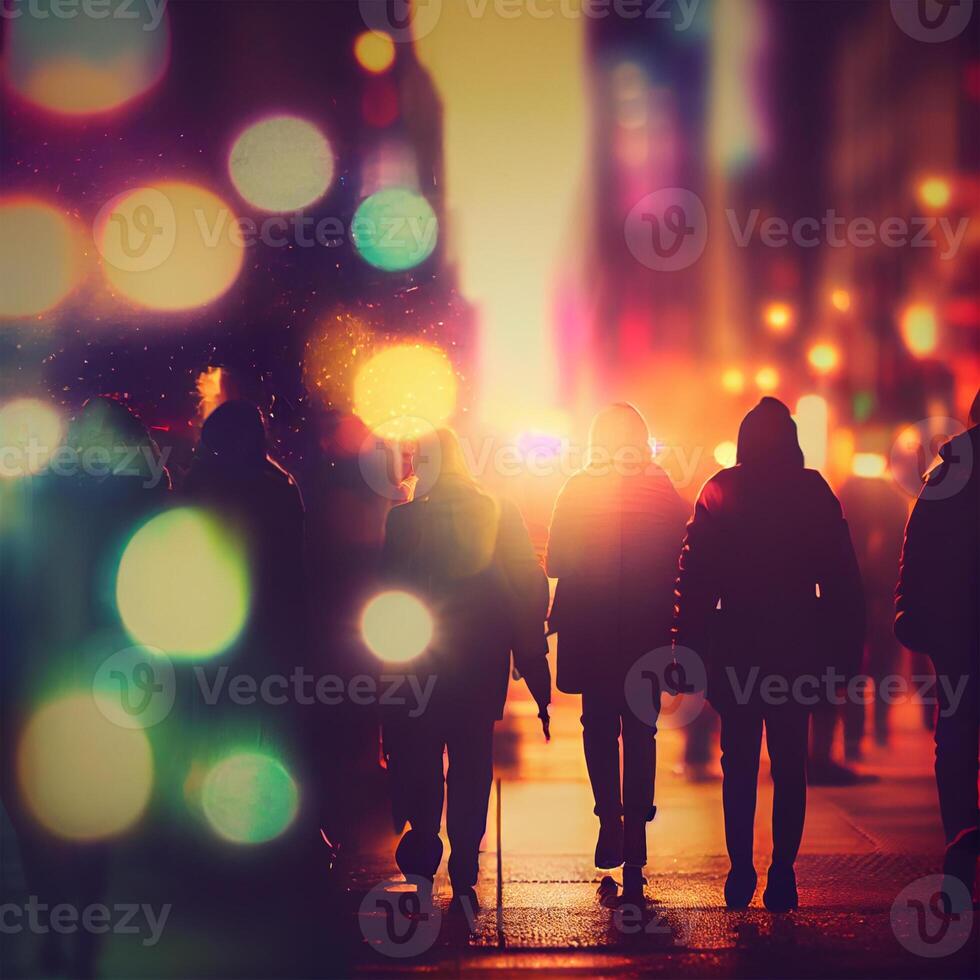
(936, 607)
(468, 558)
(769, 595)
(615, 535)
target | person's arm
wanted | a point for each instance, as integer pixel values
(527, 589)
(564, 553)
(697, 590)
(840, 582)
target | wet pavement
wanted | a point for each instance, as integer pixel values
(540, 910)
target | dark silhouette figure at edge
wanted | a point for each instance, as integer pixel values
(769, 588)
(58, 629)
(936, 614)
(615, 535)
(469, 559)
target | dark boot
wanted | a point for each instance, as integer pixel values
(960, 871)
(740, 887)
(609, 846)
(780, 894)
(633, 882)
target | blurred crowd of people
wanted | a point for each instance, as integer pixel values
(763, 579)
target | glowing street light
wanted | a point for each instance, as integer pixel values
(824, 358)
(396, 627)
(870, 466)
(767, 378)
(779, 317)
(375, 52)
(934, 192)
(919, 329)
(726, 453)
(840, 299)
(733, 380)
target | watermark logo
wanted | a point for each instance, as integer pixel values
(674, 671)
(932, 21)
(399, 918)
(136, 231)
(135, 687)
(404, 20)
(933, 916)
(667, 230)
(385, 464)
(916, 449)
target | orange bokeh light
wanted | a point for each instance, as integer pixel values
(375, 52)
(767, 379)
(779, 317)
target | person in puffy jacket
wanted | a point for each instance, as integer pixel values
(937, 614)
(615, 535)
(769, 595)
(468, 558)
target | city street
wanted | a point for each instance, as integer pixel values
(862, 847)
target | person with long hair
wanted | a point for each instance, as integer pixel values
(770, 596)
(468, 558)
(613, 544)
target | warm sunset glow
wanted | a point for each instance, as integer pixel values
(171, 246)
(516, 123)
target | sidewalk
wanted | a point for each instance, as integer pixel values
(862, 847)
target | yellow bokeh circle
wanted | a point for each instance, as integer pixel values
(40, 260)
(183, 584)
(403, 387)
(172, 246)
(83, 777)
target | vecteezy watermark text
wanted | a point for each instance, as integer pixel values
(151, 12)
(303, 688)
(34, 456)
(123, 918)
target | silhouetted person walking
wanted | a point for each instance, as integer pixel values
(768, 588)
(615, 535)
(937, 614)
(469, 559)
(73, 521)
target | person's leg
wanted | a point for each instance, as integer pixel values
(786, 738)
(600, 737)
(468, 779)
(639, 775)
(957, 725)
(741, 744)
(415, 764)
